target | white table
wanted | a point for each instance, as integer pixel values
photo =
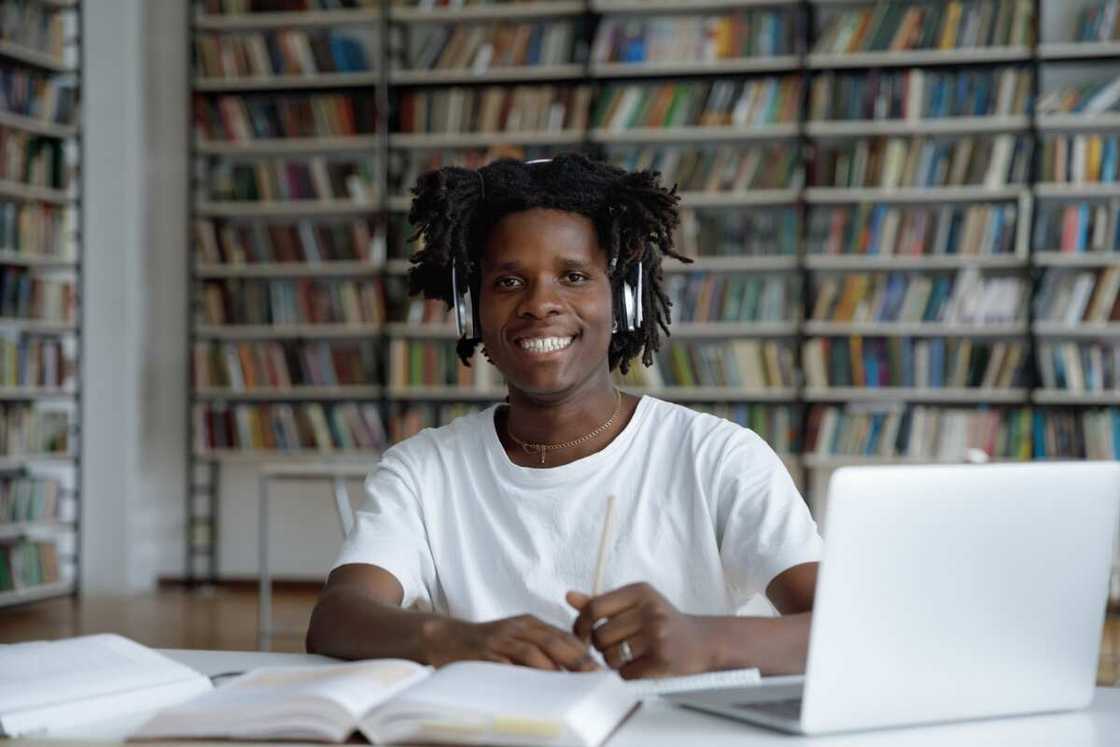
(656, 723)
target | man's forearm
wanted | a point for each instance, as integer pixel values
(347, 624)
(776, 645)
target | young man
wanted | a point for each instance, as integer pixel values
(479, 539)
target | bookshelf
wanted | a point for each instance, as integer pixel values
(288, 149)
(41, 309)
(913, 167)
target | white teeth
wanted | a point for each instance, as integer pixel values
(544, 344)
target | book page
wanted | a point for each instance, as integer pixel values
(313, 702)
(43, 673)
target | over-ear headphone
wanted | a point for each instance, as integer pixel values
(628, 314)
(628, 305)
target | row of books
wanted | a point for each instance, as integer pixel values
(248, 118)
(738, 233)
(34, 25)
(38, 96)
(286, 427)
(28, 499)
(1079, 367)
(1080, 159)
(32, 159)
(314, 178)
(747, 364)
(36, 361)
(1098, 21)
(778, 425)
(434, 363)
(968, 297)
(479, 47)
(918, 432)
(26, 564)
(35, 229)
(951, 24)
(1089, 434)
(890, 162)
(33, 430)
(695, 38)
(494, 109)
(914, 230)
(937, 363)
(1076, 296)
(301, 301)
(920, 94)
(724, 168)
(733, 297)
(266, 54)
(239, 7)
(307, 242)
(1085, 97)
(26, 296)
(1078, 227)
(247, 366)
(408, 419)
(722, 103)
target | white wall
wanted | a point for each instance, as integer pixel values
(134, 114)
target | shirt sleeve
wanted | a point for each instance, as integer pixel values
(389, 531)
(764, 525)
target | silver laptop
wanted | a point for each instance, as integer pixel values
(947, 593)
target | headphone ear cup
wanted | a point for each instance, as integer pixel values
(465, 308)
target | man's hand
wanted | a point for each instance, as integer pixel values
(662, 641)
(524, 640)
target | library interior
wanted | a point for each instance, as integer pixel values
(836, 238)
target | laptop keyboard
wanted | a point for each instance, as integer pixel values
(788, 709)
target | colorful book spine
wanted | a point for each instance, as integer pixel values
(289, 427)
(914, 230)
(302, 301)
(252, 366)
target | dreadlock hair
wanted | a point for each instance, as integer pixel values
(453, 210)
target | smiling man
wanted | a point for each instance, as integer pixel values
(478, 539)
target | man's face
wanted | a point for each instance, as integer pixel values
(545, 305)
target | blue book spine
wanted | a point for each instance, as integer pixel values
(873, 234)
(1083, 216)
(1114, 417)
(908, 363)
(873, 434)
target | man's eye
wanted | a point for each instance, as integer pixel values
(576, 277)
(507, 282)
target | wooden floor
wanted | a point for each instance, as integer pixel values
(227, 619)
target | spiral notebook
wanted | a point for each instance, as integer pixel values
(646, 688)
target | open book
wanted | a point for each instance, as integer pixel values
(393, 700)
(52, 686)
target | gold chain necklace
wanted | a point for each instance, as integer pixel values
(543, 449)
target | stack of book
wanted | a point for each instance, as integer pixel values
(760, 232)
(495, 109)
(965, 298)
(722, 103)
(28, 500)
(288, 428)
(1073, 297)
(481, 46)
(37, 362)
(35, 26)
(939, 363)
(305, 242)
(37, 230)
(279, 53)
(242, 119)
(1098, 21)
(42, 98)
(942, 25)
(302, 301)
(1079, 367)
(1078, 228)
(917, 94)
(26, 430)
(252, 366)
(918, 433)
(427, 364)
(315, 178)
(914, 230)
(24, 295)
(733, 297)
(26, 564)
(695, 37)
(744, 367)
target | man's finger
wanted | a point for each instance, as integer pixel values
(605, 606)
(617, 629)
(527, 653)
(562, 647)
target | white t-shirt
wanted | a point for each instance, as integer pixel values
(705, 511)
